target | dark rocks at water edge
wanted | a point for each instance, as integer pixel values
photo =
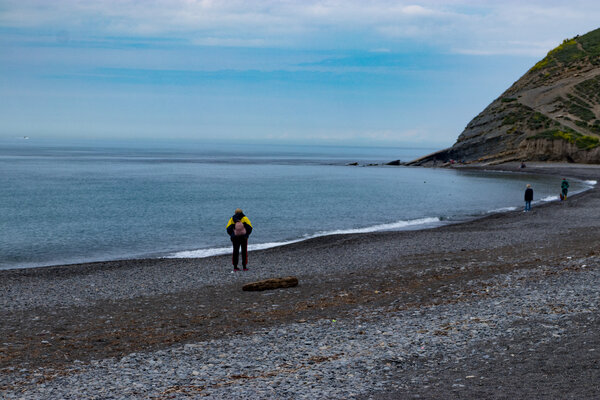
(356, 164)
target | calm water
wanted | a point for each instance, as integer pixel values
(69, 202)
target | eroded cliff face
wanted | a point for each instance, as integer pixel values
(551, 113)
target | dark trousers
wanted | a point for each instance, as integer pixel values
(240, 241)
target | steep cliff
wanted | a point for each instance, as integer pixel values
(551, 113)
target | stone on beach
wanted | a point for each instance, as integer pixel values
(273, 283)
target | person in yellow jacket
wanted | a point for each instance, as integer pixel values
(239, 229)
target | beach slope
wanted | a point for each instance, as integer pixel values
(503, 306)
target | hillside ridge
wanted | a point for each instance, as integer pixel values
(552, 113)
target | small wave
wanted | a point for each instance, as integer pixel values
(591, 183)
(382, 227)
(202, 253)
(550, 198)
(503, 209)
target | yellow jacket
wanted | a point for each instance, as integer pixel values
(244, 220)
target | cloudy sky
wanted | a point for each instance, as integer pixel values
(297, 71)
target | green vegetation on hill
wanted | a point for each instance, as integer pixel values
(523, 117)
(579, 108)
(556, 103)
(593, 127)
(572, 50)
(589, 89)
(569, 135)
(591, 43)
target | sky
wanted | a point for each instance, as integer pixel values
(391, 73)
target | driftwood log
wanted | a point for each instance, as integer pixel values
(273, 283)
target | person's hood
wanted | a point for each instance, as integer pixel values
(237, 217)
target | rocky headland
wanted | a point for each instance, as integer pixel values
(552, 113)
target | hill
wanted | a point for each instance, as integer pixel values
(552, 113)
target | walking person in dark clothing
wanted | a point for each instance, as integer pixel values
(564, 187)
(528, 198)
(239, 228)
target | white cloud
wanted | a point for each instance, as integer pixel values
(417, 10)
(523, 48)
(491, 27)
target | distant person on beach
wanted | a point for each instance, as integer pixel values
(564, 187)
(528, 198)
(239, 228)
(522, 164)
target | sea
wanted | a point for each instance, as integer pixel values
(67, 201)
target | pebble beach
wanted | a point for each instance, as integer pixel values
(505, 306)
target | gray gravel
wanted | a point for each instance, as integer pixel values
(477, 341)
(346, 358)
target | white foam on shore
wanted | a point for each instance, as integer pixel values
(591, 183)
(202, 253)
(382, 227)
(550, 198)
(503, 209)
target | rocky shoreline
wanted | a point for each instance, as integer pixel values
(503, 306)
